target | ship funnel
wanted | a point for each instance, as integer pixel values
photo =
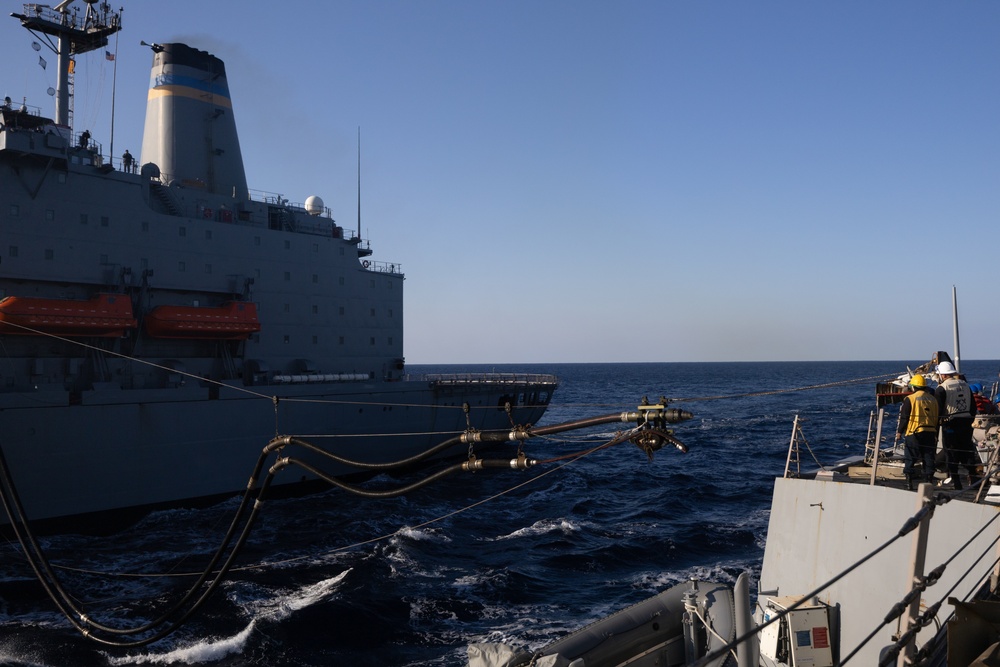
(190, 131)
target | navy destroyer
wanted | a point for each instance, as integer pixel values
(160, 321)
(859, 568)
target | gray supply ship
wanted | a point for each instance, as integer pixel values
(159, 323)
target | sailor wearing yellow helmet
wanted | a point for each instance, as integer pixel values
(918, 424)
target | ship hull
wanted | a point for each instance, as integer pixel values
(819, 528)
(119, 452)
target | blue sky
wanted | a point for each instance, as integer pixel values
(574, 181)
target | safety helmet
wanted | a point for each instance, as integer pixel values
(918, 381)
(946, 368)
(975, 388)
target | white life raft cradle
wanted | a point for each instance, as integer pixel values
(671, 629)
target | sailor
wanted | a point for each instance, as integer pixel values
(127, 162)
(984, 406)
(957, 410)
(85, 139)
(918, 424)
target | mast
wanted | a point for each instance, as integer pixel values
(73, 35)
(359, 183)
(114, 90)
(954, 323)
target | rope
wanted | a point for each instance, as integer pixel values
(773, 392)
(249, 392)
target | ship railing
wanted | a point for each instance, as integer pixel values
(276, 199)
(382, 267)
(321, 225)
(48, 14)
(24, 108)
(486, 378)
(71, 19)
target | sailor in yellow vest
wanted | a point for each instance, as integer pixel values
(957, 409)
(918, 423)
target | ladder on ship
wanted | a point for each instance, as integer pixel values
(164, 198)
(873, 444)
(794, 457)
(795, 452)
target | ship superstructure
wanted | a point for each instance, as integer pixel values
(159, 322)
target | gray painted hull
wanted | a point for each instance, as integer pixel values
(820, 528)
(131, 449)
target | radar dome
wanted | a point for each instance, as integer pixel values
(314, 205)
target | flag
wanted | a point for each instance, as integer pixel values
(41, 61)
(108, 55)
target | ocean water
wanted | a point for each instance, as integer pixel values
(512, 556)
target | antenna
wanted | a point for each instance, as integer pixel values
(114, 89)
(73, 38)
(954, 324)
(359, 183)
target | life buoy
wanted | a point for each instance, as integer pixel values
(366, 263)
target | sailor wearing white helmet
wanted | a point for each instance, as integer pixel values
(957, 409)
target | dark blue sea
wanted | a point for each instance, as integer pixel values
(517, 557)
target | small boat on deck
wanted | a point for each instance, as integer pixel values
(233, 320)
(105, 315)
(678, 626)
